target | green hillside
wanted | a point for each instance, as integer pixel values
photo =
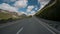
(7, 16)
(51, 11)
(4, 15)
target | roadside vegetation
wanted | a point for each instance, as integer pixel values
(6, 16)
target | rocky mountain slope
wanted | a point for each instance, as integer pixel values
(51, 11)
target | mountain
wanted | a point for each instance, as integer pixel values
(4, 14)
(51, 11)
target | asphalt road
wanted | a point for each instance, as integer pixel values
(26, 26)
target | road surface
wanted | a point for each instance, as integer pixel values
(26, 26)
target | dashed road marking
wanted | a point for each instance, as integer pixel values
(19, 30)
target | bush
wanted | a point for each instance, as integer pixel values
(9, 20)
(3, 21)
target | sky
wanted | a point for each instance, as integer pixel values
(28, 7)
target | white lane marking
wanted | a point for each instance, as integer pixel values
(44, 25)
(19, 30)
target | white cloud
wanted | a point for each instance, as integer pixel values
(21, 3)
(29, 9)
(26, 13)
(23, 13)
(43, 3)
(20, 13)
(32, 13)
(6, 6)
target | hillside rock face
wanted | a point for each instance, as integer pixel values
(4, 14)
(51, 11)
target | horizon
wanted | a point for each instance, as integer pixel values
(28, 7)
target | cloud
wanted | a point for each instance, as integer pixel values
(32, 13)
(6, 6)
(43, 3)
(20, 13)
(29, 8)
(21, 3)
(23, 13)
